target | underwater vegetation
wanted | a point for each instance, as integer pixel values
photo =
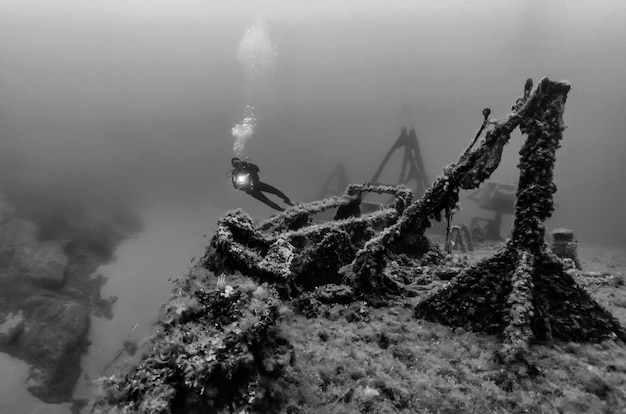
(220, 347)
(215, 349)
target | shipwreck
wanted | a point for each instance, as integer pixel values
(218, 348)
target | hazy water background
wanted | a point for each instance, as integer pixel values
(134, 101)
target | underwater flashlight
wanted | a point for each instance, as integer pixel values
(242, 179)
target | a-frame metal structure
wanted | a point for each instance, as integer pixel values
(412, 163)
(412, 168)
(336, 183)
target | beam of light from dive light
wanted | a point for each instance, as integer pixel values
(242, 179)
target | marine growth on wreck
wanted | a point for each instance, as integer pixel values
(219, 348)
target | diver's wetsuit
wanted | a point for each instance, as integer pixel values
(253, 186)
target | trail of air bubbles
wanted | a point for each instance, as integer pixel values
(243, 132)
(257, 55)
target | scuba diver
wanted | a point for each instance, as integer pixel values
(245, 177)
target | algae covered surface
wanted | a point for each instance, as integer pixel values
(354, 357)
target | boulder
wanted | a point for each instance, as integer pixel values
(48, 264)
(24, 255)
(15, 233)
(53, 340)
(333, 293)
(9, 326)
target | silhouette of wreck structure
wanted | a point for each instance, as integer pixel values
(336, 183)
(521, 293)
(496, 197)
(412, 171)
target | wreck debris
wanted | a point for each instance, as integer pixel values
(217, 349)
(461, 238)
(474, 167)
(486, 113)
(306, 255)
(516, 292)
(336, 182)
(522, 291)
(513, 293)
(496, 197)
(564, 246)
(412, 168)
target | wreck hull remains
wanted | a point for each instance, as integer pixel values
(355, 251)
(521, 293)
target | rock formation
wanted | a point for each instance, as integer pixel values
(48, 290)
